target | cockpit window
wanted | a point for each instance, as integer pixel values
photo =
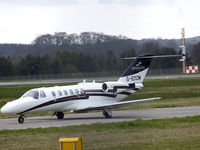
(33, 93)
(42, 94)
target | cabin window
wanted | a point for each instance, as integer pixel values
(33, 93)
(76, 91)
(53, 93)
(42, 94)
(65, 92)
(59, 93)
(82, 91)
(71, 92)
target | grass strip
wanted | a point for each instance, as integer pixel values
(175, 133)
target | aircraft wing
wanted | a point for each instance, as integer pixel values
(116, 105)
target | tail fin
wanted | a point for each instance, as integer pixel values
(137, 70)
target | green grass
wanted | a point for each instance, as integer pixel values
(175, 133)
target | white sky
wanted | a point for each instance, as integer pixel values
(23, 20)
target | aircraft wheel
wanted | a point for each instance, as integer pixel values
(107, 113)
(60, 115)
(21, 119)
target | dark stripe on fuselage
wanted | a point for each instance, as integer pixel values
(102, 94)
(59, 100)
(75, 97)
(86, 91)
(115, 88)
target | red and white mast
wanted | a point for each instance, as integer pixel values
(183, 48)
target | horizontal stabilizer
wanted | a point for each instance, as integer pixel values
(158, 56)
(116, 105)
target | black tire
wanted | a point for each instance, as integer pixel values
(21, 119)
(60, 115)
(107, 115)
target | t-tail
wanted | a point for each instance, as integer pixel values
(134, 75)
(137, 70)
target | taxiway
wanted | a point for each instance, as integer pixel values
(97, 117)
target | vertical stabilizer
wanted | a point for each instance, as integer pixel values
(137, 70)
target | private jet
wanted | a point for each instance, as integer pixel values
(85, 96)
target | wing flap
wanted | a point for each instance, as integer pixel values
(116, 105)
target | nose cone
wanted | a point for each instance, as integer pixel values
(10, 108)
(3, 110)
(6, 109)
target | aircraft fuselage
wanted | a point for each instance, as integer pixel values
(65, 98)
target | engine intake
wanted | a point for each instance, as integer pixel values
(104, 87)
(114, 87)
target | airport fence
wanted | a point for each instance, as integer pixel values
(89, 75)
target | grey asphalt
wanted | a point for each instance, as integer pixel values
(99, 79)
(96, 117)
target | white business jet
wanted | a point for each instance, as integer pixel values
(84, 96)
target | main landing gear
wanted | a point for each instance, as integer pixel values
(59, 115)
(107, 113)
(21, 119)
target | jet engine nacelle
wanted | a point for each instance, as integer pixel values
(115, 87)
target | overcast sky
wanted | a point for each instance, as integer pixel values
(23, 20)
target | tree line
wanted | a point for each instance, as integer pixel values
(87, 52)
(75, 62)
(86, 42)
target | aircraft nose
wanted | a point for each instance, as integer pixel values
(4, 110)
(8, 108)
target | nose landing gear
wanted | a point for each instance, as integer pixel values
(21, 119)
